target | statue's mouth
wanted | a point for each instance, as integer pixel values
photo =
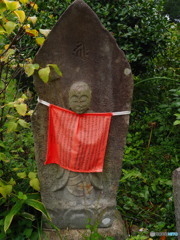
(81, 110)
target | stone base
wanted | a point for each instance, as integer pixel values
(117, 231)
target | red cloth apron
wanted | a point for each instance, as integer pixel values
(77, 142)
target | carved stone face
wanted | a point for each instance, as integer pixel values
(79, 97)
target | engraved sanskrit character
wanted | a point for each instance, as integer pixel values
(80, 51)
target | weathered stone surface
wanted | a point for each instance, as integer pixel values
(176, 188)
(84, 51)
(117, 231)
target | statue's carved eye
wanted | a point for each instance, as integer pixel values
(74, 99)
(83, 98)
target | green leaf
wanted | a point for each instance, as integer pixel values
(53, 226)
(28, 216)
(23, 123)
(131, 175)
(177, 122)
(177, 115)
(165, 182)
(21, 175)
(21, 109)
(34, 183)
(40, 40)
(6, 190)
(32, 175)
(35, 196)
(11, 126)
(160, 225)
(24, 96)
(38, 206)
(22, 196)
(21, 15)
(36, 66)
(12, 5)
(10, 26)
(12, 182)
(44, 74)
(6, 56)
(56, 69)
(14, 210)
(29, 69)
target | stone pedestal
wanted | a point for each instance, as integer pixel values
(117, 231)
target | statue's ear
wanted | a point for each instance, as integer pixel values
(96, 180)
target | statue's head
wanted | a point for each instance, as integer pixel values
(79, 97)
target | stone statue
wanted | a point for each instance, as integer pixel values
(78, 184)
(83, 50)
(80, 97)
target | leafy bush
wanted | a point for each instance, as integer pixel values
(145, 195)
(18, 178)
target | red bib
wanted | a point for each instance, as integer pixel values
(77, 142)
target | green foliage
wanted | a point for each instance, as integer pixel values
(145, 195)
(20, 203)
(172, 8)
(94, 234)
(176, 104)
(18, 197)
(14, 210)
(38, 206)
(151, 155)
(142, 234)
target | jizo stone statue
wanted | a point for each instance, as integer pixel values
(96, 79)
(80, 97)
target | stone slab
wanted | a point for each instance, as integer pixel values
(84, 51)
(176, 189)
